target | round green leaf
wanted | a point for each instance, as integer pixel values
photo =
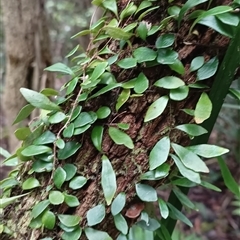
(60, 143)
(69, 149)
(103, 112)
(156, 108)
(96, 136)
(22, 133)
(208, 69)
(83, 119)
(30, 183)
(70, 170)
(190, 159)
(165, 40)
(127, 63)
(74, 235)
(71, 200)
(146, 193)
(192, 129)
(57, 117)
(77, 182)
(169, 82)
(121, 223)
(159, 153)
(56, 197)
(34, 150)
(179, 94)
(144, 54)
(39, 208)
(93, 234)
(118, 203)
(108, 180)
(196, 63)
(95, 215)
(120, 137)
(68, 131)
(166, 56)
(45, 138)
(141, 84)
(203, 109)
(49, 220)
(59, 177)
(69, 220)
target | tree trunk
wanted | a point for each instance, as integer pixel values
(27, 54)
(128, 164)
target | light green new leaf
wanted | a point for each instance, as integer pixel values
(108, 180)
(192, 129)
(162, 171)
(93, 234)
(72, 51)
(38, 100)
(121, 223)
(22, 133)
(166, 56)
(74, 235)
(46, 138)
(56, 197)
(186, 172)
(69, 220)
(105, 89)
(49, 220)
(96, 136)
(70, 170)
(71, 200)
(60, 67)
(208, 150)
(95, 215)
(24, 113)
(208, 69)
(117, 33)
(177, 66)
(6, 201)
(143, 5)
(196, 63)
(190, 159)
(203, 109)
(118, 203)
(103, 112)
(30, 183)
(120, 137)
(122, 98)
(156, 108)
(159, 153)
(128, 11)
(146, 193)
(141, 84)
(169, 82)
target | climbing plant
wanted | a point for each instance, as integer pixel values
(88, 167)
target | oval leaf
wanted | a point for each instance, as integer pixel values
(69, 149)
(56, 197)
(24, 113)
(69, 220)
(169, 82)
(30, 183)
(208, 69)
(118, 203)
(121, 223)
(96, 136)
(192, 129)
(93, 234)
(59, 177)
(95, 215)
(146, 193)
(144, 54)
(77, 182)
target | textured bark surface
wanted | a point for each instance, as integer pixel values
(128, 164)
(27, 54)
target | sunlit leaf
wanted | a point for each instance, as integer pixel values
(56, 197)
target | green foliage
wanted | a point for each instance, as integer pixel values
(53, 143)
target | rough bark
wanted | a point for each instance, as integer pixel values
(27, 54)
(128, 164)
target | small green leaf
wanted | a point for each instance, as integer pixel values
(105, 89)
(8, 183)
(49, 92)
(24, 113)
(22, 133)
(208, 150)
(60, 143)
(142, 30)
(42, 166)
(69, 149)
(59, 177)
(30, 183)
(98, 71)
(141, 84)
(74, 235)
(162, 171)
(127, 63)
(120, 137)
(39, 208)
(144, 54)
(81, 130)
(71, 85)
(60, 67)
(163, 208)
(71, 200)
(45, 138)
(159, 153)
(179, 94)
(118, 203)
(108, 180)
(121, 223)
(176, 214)
(152, 225)
(177, 66)
(190, 159)
(169, 82)
(103, 112)
(72, 51)
(203, 108)
(57, 117)
(68, 131)
(69, 220)
(96, 136)
(76, 112)
(117, 33)
(186, 172)
(208, 69)
(174, 11)
(165, 40)
(49, 220)
(143, 5)
(93, 234)
(146, 193)
(166, 56)
(85, 118)
(183, 198)
(34, 150)
(124, 126)
(4, 202)
(56, 197)
(70, 170)
(196, 63)
(122, 98)
(77, 182)
(112, 59)
(38, 100)
(192, 129)
(111, 5)
(150, 10)
(183, 182)
(156, 108)
(95, 215)
(128, 11)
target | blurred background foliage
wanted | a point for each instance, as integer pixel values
(218, 216)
